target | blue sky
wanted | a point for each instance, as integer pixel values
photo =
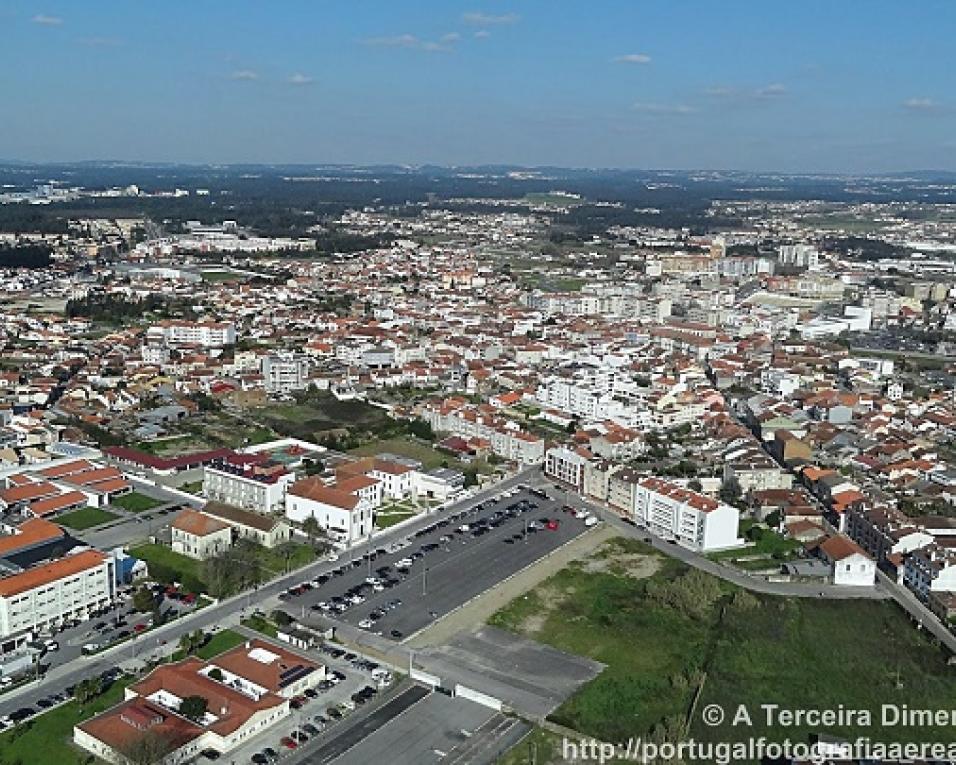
(814, 85)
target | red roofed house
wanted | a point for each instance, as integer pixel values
(200, 536)
(849, 565)
(345, 516)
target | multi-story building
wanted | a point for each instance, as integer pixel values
(284, 374)
(689, 518)
(566, 465)
(198, 535)
(52, 593)
(247, 481)
(930, 569)
(204, 334)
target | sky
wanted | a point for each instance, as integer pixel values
(800, 86)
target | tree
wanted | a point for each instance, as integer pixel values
(281, 618)
(190, 642)
(149, 749)
(143, 599)
(216, 674)
(193, 708)
(88, 689)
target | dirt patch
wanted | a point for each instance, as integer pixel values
(633, 565)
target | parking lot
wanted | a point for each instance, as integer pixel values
(397, 590)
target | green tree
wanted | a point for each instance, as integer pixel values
(190, 642)
(193, 708)
(144, 599)
(88, 689)
(149, 749)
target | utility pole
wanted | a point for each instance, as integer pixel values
(424, 580)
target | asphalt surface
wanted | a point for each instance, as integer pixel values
(58, 678)
(459, 568)
(353, 736)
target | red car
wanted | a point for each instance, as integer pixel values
(139, 628)
(189, 598)
(288, 743)
(552, 525)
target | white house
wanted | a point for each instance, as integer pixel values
(346, 517)
(849, 565)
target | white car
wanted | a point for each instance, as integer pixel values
(52, 645)
(332, 557)
(405, 563)
(366, 624)
(591, 521)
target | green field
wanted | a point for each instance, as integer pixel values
(47, 739)
(667, 632)
(315, 412)
(220, 643)
(386, 517)
(274, 563)
(217, 277)
(405, 447)
(134, 502)
(167, 566)
(260, 624)
(86, 518)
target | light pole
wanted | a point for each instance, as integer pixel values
(424, 580)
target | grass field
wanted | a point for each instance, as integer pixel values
(274, 563)
(47, 740)
(386, 517)
(135, 502)
(216, 277)
(86, 518)
(260, 624)
(218, 643)
(665, 632)
(315, 412)
(167, 566)
(405, 447)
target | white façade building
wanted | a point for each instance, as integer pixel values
(566, 465)
(849, 565)
(52, 593)
(205, 334)
(345, 516)
(690, 519)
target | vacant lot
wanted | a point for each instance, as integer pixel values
(666, 632)
(405, 447)
(315, 413)
(86, 518)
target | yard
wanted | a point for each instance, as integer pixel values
(86, 518)
(389, 515)
(134, 502)
(666, 631)
(48, 738)
(260, 624)
(275, 562)
(167, 566)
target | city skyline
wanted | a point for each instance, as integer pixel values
(688, 86)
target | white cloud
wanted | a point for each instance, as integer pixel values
(633, 58)
(921, 104)
(47, 21)
(301, 79)
(444, 44)
(482, 34)
(245, 75)
(488, 20)
(653, 108)
(774, 90)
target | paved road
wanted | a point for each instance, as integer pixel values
(459, 569)
(726, 572)
(221, 614)
(920, 613)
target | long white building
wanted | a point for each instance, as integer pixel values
(50, 594)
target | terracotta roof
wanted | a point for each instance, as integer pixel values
(51, 505)
(27, 492)
(125, 724)
(59, 471)
(838, 548)
(31, 532)
(312, 488)
(50, 572)
(236, 515)
(198, 524)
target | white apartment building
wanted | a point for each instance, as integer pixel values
(284, 374)
(799, 255)
(251, 487)
(565, 465)
(691, 519)
(51, 593)
(931, 569)
(206, 334)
